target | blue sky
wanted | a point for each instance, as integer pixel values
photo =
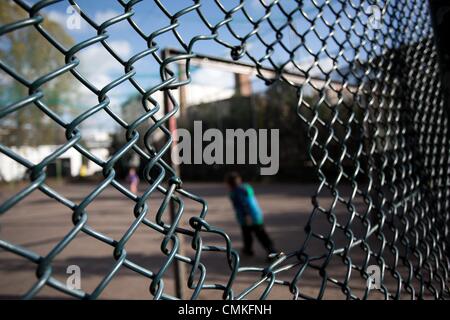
(100, 68)
(150, 18)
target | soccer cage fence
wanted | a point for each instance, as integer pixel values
(371, 91)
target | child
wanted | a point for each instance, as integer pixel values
(133, 180)
(248, 214)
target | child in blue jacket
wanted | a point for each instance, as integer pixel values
(248, 214)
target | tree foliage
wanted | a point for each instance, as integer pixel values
(28, 53)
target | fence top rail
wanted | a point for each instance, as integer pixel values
(240, 67)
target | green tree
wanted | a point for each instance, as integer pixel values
(27, 52)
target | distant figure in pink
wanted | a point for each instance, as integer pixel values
(133, 180)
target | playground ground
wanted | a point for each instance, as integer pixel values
(38, 223)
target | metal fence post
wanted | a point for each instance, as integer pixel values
(178, 266)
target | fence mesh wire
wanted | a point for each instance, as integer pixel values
(385, 134)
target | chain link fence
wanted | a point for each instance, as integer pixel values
(378, 120)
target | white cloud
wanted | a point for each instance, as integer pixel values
(210, 84)
(212, 77)
(57, 16)
(99, 66)
(102, 16)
